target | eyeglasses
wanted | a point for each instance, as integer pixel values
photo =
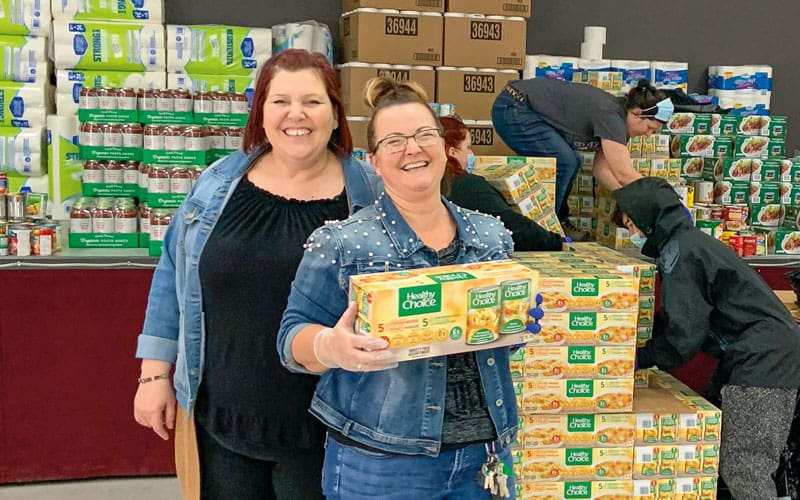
(424, 138)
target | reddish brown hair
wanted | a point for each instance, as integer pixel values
(454, 132)
(340, 143)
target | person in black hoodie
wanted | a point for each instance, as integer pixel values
(474, 192)
(712, 301)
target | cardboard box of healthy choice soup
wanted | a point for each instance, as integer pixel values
(577, 396)
(589, 430)
(445, 310)
(559, 464)
(584, 490)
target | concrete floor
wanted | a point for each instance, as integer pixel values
(156, 488)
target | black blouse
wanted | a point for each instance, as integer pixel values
(247, 400)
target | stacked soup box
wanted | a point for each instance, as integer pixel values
(575, 380)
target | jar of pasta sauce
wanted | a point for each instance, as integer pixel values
(93, 172)
(164, 101)
(180, 180)
(132, 135)
(158, 179)
(173, 138)
(80, 218)
(238, 103)
(87, 99)
(182, 100)
(144, 218)
(153, 137)
(126, 99)
(220, 102)
(113, 173)
(216, 137)
(234, 138)
(159, 222)
(107, 98)
(103, 217)
(130, 172)
(147, 99)
(125, 218)
(202, 103)
(91, 134)
(112, 135)
(194, 139)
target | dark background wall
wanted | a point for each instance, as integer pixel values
(702, 32)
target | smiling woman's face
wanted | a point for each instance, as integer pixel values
(415, 171)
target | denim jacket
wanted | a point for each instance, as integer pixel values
(398, 410)
(174, 326)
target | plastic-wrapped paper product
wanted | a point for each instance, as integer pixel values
(65, 166)
(25, 17)
(309, 35)
(109, 46)
(217, 49)
(151, 11)
(549, 66)
(23, 150)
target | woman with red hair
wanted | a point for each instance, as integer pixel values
(242, 428)
(473, 192)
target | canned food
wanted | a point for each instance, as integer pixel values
(158, 179)
(93, 172)
(91, 134)
(3, 183)
(514, 306)
(220, 102)
(703, 192)
(57, 236)
(16, 206)
(112, 174)
(164, 101)
(202, 103)
(194, 139)
(42, 240)
(19, 240)
(106, 98)
(749, 245)
(735, 217)
(182, 101)
(712, 228)
(112, 135)
(3, 208)
(736, 242)
(126, 99)
(483, 318)
(717, 212)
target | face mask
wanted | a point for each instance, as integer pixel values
(638, 240)
(470, 166)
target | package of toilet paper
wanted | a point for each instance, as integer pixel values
(670, 74)
(753, 77)
(23, 58)
(549, 66)
(744, 101)
(23, 150)
(65, 166)
(217, 49)
(70, 82)
(109, 46)
(118, 10)
(25, 17)
(210, 83)
(632, 71)
(23, 105)
(311, 35)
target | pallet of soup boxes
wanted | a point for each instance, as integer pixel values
(461, 51)
(583, 431)
(745, 191)
(136, 145)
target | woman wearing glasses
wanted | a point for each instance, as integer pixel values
(417, 429)
(544, 117)
(474, 192)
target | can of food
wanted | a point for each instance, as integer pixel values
(749, 245)
(712, 228)
(15, 206)
(702, 212)
(515, 302)
(3, 246)
(42, 240)
(717, 212)
(483, 315)
(761, 244)
(57, 235)
(703, 192)
(3, 208)
(736, 242)
(19, 240)
(685, 193)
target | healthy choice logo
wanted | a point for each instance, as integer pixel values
(424, 299)
(584, 287)
(584, 355)
(513, 291)
(583, 321)
(577, 490)
(580, 389)
(481, 299)
(580, 423)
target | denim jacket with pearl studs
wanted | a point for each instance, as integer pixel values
(398, 410)
(174, 326)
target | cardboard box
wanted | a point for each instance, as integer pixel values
(579, 361)
(577, 396)
(491, 7)
(587, 490)
(445, 310)
(379, 37)
(353, 79)
(587, 328)
(358, 130)
(472, 92)
(484, 43)
(485, 140)
(418, 5)
(548, 464)
(581, 430)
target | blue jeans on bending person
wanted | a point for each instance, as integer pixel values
(528, 134)
(352, 473)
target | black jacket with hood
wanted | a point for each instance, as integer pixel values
(711, 300)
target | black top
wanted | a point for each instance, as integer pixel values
(711, 299)
(582, 113)
(247, 400)
(473, 192)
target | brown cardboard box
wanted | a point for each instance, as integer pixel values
(379, 37)
(353, 78)
(490, 7)
(472, 92)
(485, 140)
(358, 130)
(484, 43)
(418, 5)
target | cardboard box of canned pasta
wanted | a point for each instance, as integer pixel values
(446, 310)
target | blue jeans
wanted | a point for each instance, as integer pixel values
(351, 473)
(528, 134)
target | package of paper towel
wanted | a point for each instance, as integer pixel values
(23, 58)
(24, 104)
(109, 46)
(25, 17)
(151, 11)
(23, 150)
(217, 49)
(210, 83)
(311, 35)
